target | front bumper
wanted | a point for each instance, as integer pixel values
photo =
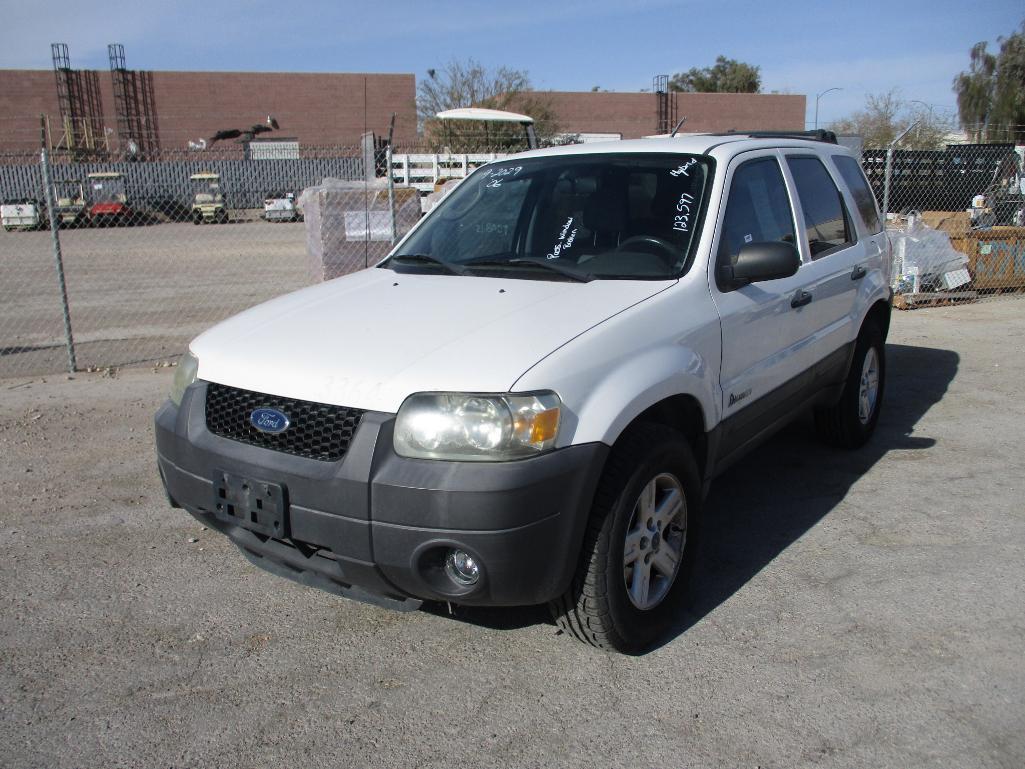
(376, 526)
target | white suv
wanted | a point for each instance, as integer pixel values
(526, 401)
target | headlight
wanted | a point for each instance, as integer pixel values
(184, 375)
(477, 428)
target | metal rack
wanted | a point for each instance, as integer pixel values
(78, 97)
(665, 105)
(133, 103)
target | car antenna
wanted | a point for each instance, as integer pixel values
(682, 121)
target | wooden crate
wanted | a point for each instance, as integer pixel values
(933, 299)
(996, 257)
(954, 223)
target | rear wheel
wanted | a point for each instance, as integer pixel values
(850, 422)
(639, 546)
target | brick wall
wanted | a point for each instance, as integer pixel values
(25, 94)
(328, 109)
(634, 114)
(320, 109)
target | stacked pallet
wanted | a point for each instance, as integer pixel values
(352, 225)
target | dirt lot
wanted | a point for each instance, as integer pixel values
(137, 293)
(853, 610)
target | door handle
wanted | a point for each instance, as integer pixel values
(801, 298)
(858, 272)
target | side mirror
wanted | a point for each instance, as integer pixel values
(761, 261)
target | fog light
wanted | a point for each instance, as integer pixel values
(462, 568)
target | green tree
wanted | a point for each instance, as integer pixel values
(725, 76)
(885, 115)
(470, 84)
(991, 94)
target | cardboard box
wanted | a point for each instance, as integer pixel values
(953, 223)
(996, 257)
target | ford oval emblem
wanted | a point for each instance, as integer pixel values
(269, 421)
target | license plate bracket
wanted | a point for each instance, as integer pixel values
(259, 506)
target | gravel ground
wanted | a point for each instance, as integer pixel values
(137, 294)
(853, 610)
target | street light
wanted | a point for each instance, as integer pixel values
(927, 106)
(819, 96)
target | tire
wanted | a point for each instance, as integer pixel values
(197, 217)
(599, 608)
(850, 422)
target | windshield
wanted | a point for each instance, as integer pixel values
(206, 190)
(627, 215)
(68, 194)
(107, 189)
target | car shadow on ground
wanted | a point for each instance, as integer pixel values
(769, 499)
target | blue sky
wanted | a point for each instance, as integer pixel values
(862, 47)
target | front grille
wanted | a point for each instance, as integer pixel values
(315, 431)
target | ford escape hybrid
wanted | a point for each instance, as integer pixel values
(527, 400)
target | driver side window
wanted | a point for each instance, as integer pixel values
(757, 210)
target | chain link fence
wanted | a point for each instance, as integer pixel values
(115, 262)
(957, 220)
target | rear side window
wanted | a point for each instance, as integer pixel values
(860, 190)
(825, 216)
(757, 210)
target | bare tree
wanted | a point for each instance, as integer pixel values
(466, 84)
(470, 84)
(885, 115)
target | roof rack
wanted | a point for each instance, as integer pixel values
(818, 135)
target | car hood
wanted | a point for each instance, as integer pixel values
(369, 339)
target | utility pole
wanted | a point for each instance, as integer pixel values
(819, 96)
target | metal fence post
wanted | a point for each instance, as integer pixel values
(889, 168)
(886, 182)
(391, 193)
(51, 210)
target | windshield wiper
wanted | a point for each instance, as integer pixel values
(427, 259)
(521, 263)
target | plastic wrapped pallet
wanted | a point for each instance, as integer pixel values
(924, 259)
(349, 224)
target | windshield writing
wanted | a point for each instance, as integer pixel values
(613, 216)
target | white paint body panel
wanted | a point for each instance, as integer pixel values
(609, 348)
(370, 339)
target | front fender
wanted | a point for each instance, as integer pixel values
(656, 375)
(610, 375)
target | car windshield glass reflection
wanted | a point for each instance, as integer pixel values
(582, 217)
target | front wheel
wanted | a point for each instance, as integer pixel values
(639, 546)
(850, 422)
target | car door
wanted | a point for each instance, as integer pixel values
(875, 259)
(765, 347)
(832, 254)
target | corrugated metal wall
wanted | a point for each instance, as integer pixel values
(161, 184)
